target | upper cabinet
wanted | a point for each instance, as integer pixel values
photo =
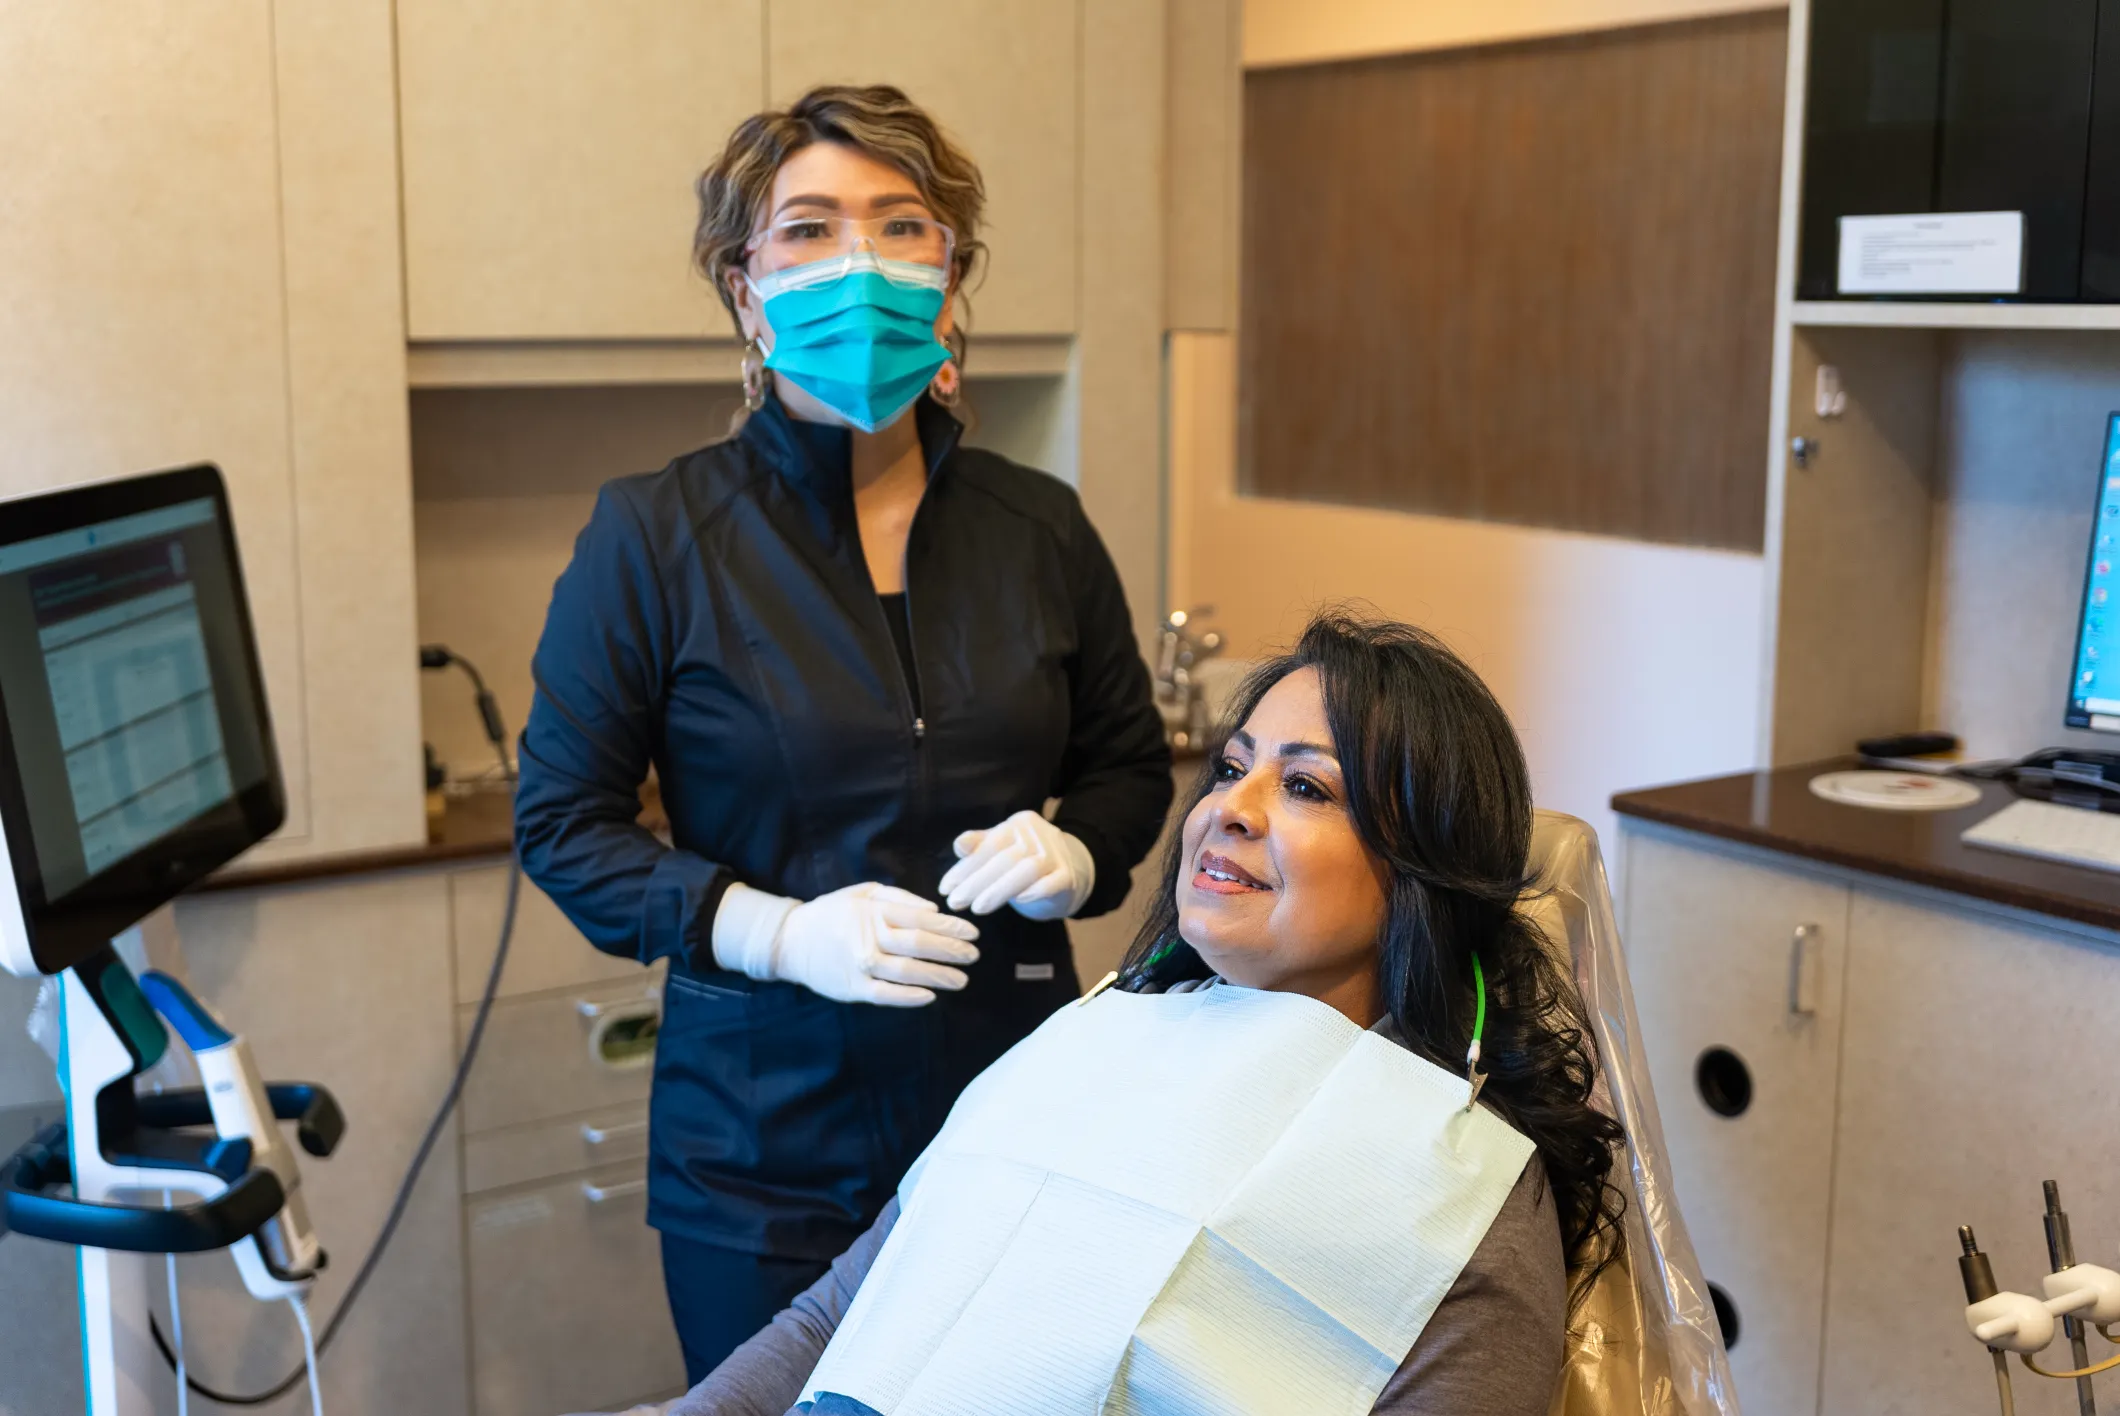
(550, 147)
(200, 235)
(1001, 76)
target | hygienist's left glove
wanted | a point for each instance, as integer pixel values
(1027, 863)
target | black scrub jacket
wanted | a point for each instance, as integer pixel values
(719, 622)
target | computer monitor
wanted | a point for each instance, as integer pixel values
(136, 753)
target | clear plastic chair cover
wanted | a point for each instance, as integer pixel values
(1645, 1341)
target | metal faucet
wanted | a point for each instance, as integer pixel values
(1180, 649)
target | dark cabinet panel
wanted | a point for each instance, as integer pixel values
(2016, 126)
(2101, 198)
(1956, 105)
(1875, 95)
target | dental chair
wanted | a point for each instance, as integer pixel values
(1645, 1342)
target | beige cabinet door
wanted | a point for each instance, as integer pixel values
(144, 319)
(567, 1303)
(1737, 968)
(1001, 76)
(550, 148)
(1971, 1072)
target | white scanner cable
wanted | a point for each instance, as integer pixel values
(309, 1352)
(176, 1320)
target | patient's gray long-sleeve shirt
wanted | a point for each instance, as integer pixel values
(1493, 1348)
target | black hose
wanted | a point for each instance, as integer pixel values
(432, 656)
(405, 1188)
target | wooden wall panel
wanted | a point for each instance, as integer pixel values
(1529, 284)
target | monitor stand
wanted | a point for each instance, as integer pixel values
(108, 1035)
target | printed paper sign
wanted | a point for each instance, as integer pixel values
(1938, 253)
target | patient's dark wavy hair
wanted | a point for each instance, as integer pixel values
(1437, 789)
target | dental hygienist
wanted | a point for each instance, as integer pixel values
(860, 658)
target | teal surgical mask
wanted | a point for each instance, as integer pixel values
(857, 333)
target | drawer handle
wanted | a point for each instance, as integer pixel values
(597, 1194)
(621, 1035)
(1806, 971)
(617, 1131)
(592, 1009)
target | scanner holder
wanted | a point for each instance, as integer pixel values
(108, 1177)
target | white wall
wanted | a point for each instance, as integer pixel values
(1622, 664)
(1306, 32)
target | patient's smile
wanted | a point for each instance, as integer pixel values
(1223, 876)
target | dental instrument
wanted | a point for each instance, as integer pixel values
(2078, 1297)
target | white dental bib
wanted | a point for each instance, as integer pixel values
(1225, 1201)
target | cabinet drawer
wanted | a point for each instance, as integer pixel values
(567, 1305)
(545, 952)
(1738, 958)
(521, 1155)
(541, 1060)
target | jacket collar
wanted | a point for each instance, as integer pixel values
(819, 457)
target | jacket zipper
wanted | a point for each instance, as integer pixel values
(917, 700)
(908, 685)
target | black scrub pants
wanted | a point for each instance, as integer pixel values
(719, 1297)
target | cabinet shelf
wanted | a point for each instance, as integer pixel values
(581, 363)
(1940, 315)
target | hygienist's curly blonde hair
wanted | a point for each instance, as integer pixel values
(878, 121)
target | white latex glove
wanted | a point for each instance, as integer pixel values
(1027, 863)
(867, 943)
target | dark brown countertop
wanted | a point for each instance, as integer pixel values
(1776, 810)
(473, 826)
(478, 825)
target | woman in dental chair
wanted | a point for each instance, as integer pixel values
(1327, 1147)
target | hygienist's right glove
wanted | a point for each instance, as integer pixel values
(867, 943)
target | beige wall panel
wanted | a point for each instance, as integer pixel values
(27, 1074)
(2021, 444)
(40, 1297)
(1300, 32)
(1001, 76)
(1856, 532)
(1120, 373)
(348, 985)
(486, 569)
(1206, 121)
(505, 480)
(1938, 1128)
(549, 152)
(142, 318)
(352, 459)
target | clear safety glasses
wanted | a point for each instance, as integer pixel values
(903, 240)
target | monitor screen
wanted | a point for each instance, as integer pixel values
(2094, 692)
(138, 753)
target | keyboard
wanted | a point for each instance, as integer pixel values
(2073, 835)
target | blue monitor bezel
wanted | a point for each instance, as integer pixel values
(2073, 715)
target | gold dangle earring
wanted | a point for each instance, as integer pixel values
(754, 375)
